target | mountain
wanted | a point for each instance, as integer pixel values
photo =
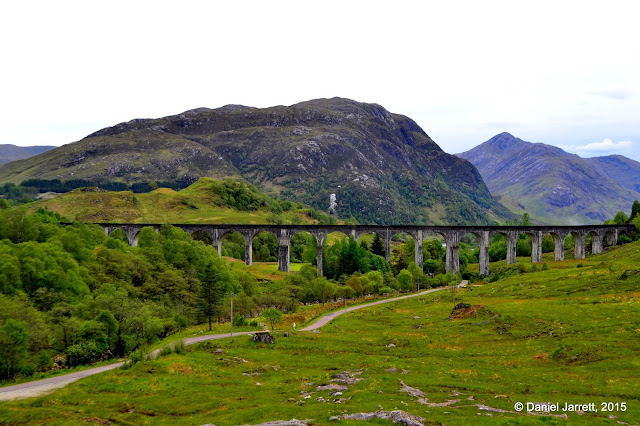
(621, 169)
(382, 167)
(9, 153)
(553, 185)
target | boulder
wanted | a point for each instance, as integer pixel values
(264, 338)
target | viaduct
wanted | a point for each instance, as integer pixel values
(451, 235)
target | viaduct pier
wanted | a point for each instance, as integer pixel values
(451, 235)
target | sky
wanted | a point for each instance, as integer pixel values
(563, 73)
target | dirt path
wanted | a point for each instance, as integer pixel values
(322, 321)
(44, 386)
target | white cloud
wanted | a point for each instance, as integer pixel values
(606, 147)
(617, 94)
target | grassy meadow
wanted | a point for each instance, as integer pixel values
(197, 203)
(568, 334)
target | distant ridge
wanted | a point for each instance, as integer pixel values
(9, 153)
(555, 186)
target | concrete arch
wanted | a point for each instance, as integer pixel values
(131, 231)
(511, 238)
(416, 236)
(203, 235)
(558, 244)
(611, 237)
(253, 240)
(596, 241)
(622, 232)
(109, 231)
(482, 238)
(578, 243)
(247, 243)
(360, 234)
(536, 244)
(315, 241)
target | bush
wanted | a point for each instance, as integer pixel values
(254, 323)
(28, 370)
(545, 267)
(239, 320)
(494, 277)
(44, 362)
(181, 322)
(165, 351)
(179, 347)
(384, 290)
(521, 268)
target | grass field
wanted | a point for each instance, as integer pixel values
(570, 334)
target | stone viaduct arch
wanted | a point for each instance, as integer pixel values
(451, 234)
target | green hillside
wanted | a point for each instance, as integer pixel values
(382, 166)
(565, 335)
(205, 201)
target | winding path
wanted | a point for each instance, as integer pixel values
(41, 387)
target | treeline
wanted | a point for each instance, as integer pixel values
(55, 185)
(28, 189)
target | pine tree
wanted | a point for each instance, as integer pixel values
(377, 246)
(215, 281)
(635, 209)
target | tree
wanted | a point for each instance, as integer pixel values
(323, 289)
(13, 347)
(417, 274)
(620, 218)
(377, 246)
(405, 280)
(356, 285)
(635, 210)
(273, 316)
(215, 283)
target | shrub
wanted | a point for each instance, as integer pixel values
(28, 370)
(239, 320)
(494, 277)
(545, 267)
(384, 290)
(179, 347)
(181, 322)
(254, 323)
(165, 351)
(44, 362)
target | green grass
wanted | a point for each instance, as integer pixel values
(568, 334)
(194, 204)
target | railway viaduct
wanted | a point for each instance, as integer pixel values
(451, 235)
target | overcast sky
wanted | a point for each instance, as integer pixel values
(559, 72)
